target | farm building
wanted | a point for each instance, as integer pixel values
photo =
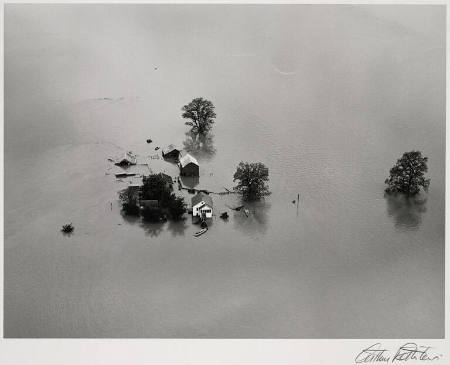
(171, 152)
(189, 166)
(202, 206)
(149, 204)
(127, 160)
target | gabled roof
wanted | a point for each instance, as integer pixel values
(170, 148)
(202, 197)
(187, 159)
(127, 159)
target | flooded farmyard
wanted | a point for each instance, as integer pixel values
(327, 97)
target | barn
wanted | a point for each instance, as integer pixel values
(189, 166)
(171, 151)
(202, 206)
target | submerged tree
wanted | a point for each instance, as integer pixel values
(202, 145)
(407, 176)
(151, 214)
(129, 200)
(176, 207)
(155, 187)
(201, 114)
(252, 178)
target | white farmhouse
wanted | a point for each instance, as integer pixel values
(202, 206)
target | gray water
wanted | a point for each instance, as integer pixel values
(328, 97)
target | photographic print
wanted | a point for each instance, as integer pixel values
(224, 171)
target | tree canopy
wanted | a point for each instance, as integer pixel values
(252, 178)
(201, 114)
(155, 187)
(129, 201)
(407, 175)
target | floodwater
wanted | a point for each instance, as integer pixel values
(328, 97)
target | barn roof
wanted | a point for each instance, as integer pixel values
(187, 159)
(202, 196)
(170, 148)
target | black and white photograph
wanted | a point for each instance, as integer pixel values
(224, 171)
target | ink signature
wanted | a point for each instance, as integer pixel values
(409, 351)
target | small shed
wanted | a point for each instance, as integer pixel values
(127, 160)
(171, 151)
(189, 166)
(202, 206)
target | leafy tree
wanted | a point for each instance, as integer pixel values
(201, 114)
(176, 207)
(154, 188)
(407, 176)
(252, 178)
(129, 201)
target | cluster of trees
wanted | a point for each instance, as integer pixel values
(155, 187)
(252, 177)
(406, 177)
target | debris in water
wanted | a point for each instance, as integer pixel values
(224, 215)
(124, 174)
(67, 228)
(149, 140)
(237, 209)
(156, 148)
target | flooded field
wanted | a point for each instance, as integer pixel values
(328, 97)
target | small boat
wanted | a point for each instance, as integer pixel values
(196, 234)
(237, 208)
(124, 174)
(149, 140)
(156, 148)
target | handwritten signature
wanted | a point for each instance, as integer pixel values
(409, 351)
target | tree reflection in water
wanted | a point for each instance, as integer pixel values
(202, 146)
(177, 228)
(152, 229)
(406, 211)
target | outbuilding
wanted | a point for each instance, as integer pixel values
(189, 166)
(171, 151)
(127, 160)
(202, 206)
